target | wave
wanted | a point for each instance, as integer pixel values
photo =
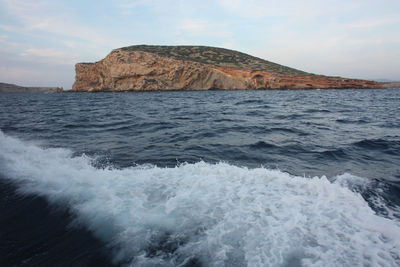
(208, 214)
(352, 121)
(250, 101)
(334, 154)
(314, 110)
(262, 145)
(379, 144)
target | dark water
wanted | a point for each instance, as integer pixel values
(200, 178)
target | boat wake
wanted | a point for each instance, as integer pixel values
(209, 214)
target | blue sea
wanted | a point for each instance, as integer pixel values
(200, 178)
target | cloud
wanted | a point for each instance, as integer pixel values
(49, 56)
(38, 16)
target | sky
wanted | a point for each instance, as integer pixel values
(41, 40)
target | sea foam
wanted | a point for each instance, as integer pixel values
(208, 214)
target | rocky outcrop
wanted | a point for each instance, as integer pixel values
(135, 70)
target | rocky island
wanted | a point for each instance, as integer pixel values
(148, 68)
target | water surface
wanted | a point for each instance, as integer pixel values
(234, 178)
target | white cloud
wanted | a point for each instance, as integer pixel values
(38, 17)
(49, 56)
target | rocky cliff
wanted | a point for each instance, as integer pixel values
(145, 68)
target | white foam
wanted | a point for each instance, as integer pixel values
(218, 214)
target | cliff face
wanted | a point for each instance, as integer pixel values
(140, 70)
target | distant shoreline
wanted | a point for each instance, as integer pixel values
(13, 88)
(390, 84)
(221, 90)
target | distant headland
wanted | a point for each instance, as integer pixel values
(12, 88)
(148, 68)
(390, 84)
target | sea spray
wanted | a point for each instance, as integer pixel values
(210, 214)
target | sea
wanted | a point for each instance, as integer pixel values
(200, 178)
